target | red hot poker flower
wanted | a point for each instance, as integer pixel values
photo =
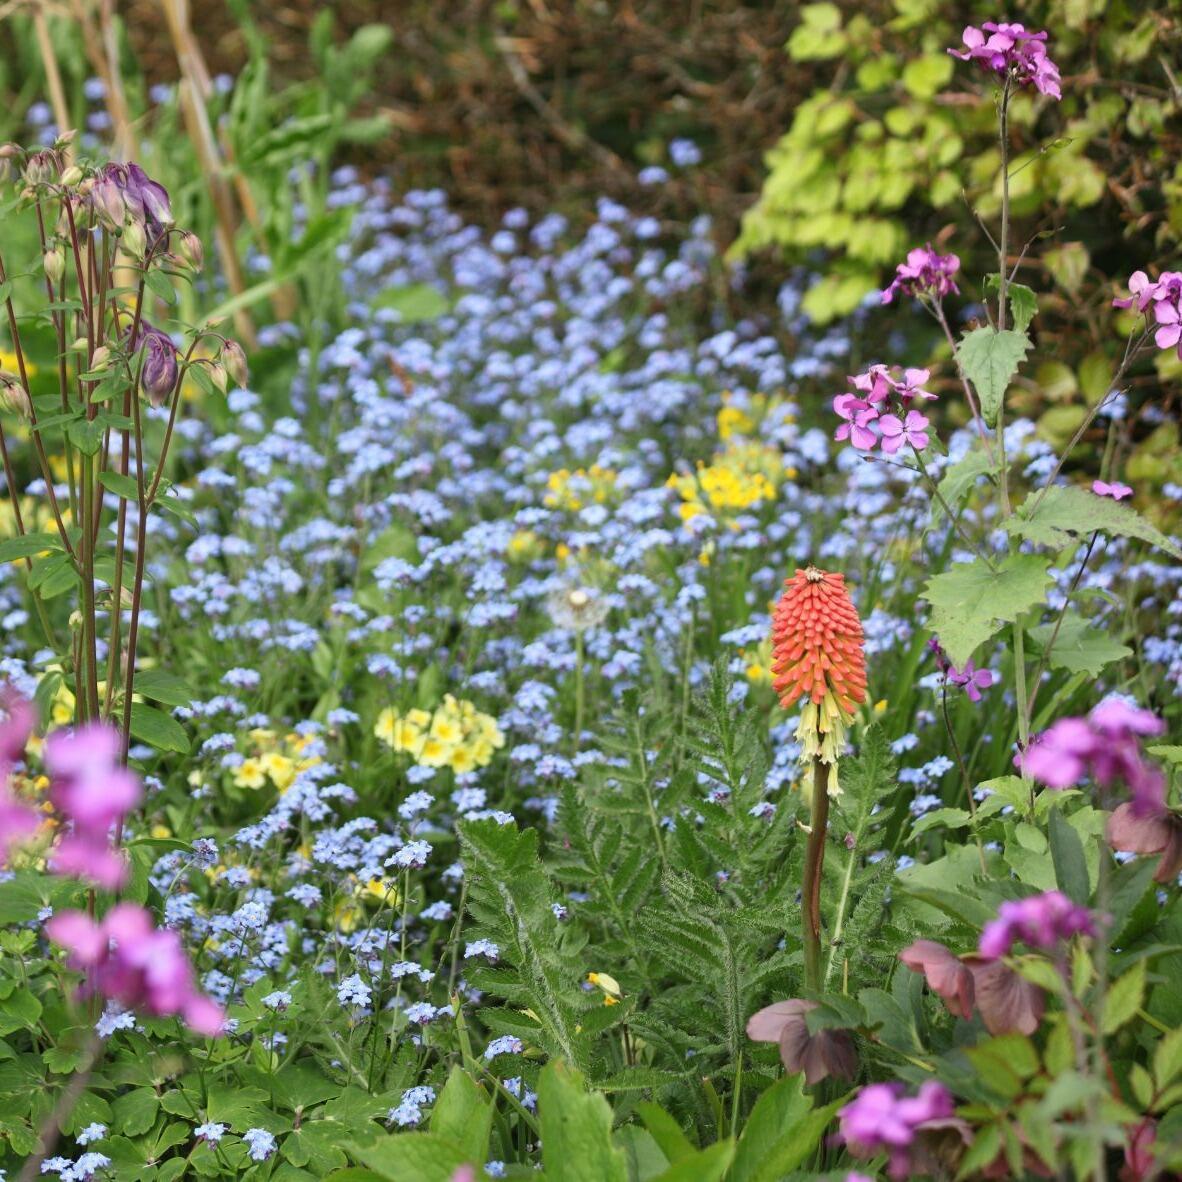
(817, 654)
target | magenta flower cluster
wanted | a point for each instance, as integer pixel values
(17, 820)
(127, 959)
(90, 787)
(1014, 52)
(882, 1117)
(880, 411)
(925, 275)
(1107, 745)
(124, 956)
(1041, 921)
(1161, 297)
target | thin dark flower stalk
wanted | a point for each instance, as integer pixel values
(964, 775)
(814, 864)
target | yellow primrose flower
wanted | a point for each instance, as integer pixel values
(280, 769)
(250, 774)
(384, 890)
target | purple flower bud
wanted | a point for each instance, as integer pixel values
(160, 366)
(107, 202)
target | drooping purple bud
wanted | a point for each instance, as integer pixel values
(153, 196)
(160, 366)
(107, 202)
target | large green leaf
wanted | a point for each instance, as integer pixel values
(27, 545)
(161, 686)
(576, 1130)
(1057, 516)
(158, 729)
(463, 1114)
(707, 1165)
(1080, 646)
(970, 601)
(425, 1157)
(989, 359)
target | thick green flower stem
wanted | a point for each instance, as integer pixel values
(814, 862)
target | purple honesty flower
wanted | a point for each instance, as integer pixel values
(17, 820)
(1040, 921)
(972, 679)
(90, 786)
(1115, 490)
(1012, 51)
(925, 274)
(1106, 744)
(896, 432)
(1157, 833)
(882, 1117)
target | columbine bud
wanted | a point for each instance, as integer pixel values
(41, 168)
(71, 176)
(817, 653)
(160, 366)
(235, 362)
(217, 373)
(191, 250)
(135, 241)
(55, 264)
(100, 360)
(13, 396)
(107, 202)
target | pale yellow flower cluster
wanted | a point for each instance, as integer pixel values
(278, 760)
(455, 735)
(580, 488)
(741, 475)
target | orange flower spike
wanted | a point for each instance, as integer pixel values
(817, 654)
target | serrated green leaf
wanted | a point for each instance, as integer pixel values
(1125, 997)
(989, 359)
(970, 601)
(1058, 515)
(1079, 646)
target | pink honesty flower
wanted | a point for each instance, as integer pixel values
(882, 1117)
(1115, 490)
(896, 432)
(1011, 51)
(826, 1053)
(1040, 921)
(971, 679)
(858, 415)
(128, 960)
(17, 820)
(946, 974)
(883, 394)
(925, 274)
(464, 1174)
(1141, 292)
